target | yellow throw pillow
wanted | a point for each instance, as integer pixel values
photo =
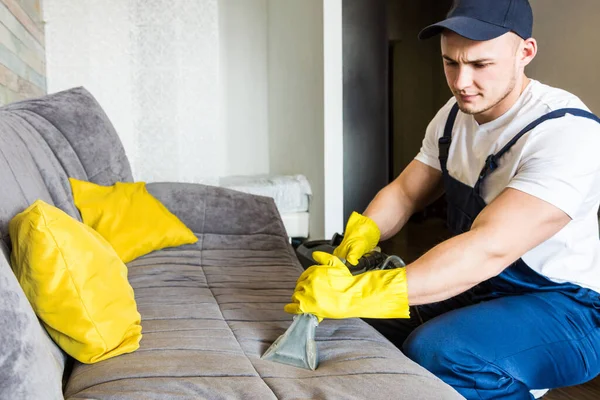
(132, 220)
(76, 284)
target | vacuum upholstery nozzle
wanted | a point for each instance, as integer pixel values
(297, 345)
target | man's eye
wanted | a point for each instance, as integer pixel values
(450, 63)
(480, 66)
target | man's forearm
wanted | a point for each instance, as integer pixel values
(415, 188)
(513, 224)
(453, 267)
(390, 210)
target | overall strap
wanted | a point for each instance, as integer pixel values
(491, 163)
(445, 141)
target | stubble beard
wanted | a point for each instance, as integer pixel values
(487, 107)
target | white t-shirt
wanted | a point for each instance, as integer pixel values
(558, 162)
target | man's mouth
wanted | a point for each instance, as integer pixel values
(467, 97)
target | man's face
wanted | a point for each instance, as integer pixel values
(480, 74)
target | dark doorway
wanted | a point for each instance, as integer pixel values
(417, 89)
(393, 86)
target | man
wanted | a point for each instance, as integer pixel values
(510, 303)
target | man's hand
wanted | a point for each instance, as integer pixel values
(329, 290)
(360, 237)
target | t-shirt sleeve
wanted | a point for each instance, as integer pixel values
(429, 153)
(560, 164)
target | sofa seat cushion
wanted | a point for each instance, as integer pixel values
(210, 310)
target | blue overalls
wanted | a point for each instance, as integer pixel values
(512, 333)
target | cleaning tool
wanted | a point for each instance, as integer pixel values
(329, 290)
(297, 346)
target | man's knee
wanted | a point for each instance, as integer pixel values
(435, 347)
(422, 348)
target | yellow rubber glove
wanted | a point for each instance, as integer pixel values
(361, 236)
(331, 291)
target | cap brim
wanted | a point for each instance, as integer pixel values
(470, 28)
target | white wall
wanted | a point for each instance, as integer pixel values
(333, 81)
(154, 68)
(82, 49)
(184, 82)
(243, 43)
(175, 78)
(296, 102)
(199, 89)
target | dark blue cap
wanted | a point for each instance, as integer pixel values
(485, 19)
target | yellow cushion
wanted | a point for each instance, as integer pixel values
(76, 284)
(132, 220)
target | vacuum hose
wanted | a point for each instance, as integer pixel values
(374, 260)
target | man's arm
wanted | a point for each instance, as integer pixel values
(514, 223)
(416, 187)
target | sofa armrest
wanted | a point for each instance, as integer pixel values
(216, 210)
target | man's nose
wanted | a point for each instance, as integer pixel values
(464, 78)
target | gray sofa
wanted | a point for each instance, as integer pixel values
(209, 310)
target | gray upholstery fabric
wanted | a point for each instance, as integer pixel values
(30, 364)
(43, 142)
(46, 140)
(210, 310)
(218, 210)
(79, 134)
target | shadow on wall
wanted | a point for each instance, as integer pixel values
(568, 61)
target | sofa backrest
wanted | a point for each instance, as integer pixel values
(43, 142)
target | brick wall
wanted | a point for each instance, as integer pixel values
(22, 50)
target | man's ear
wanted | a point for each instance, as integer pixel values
(527, 51)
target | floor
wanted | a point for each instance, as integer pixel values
(589, 391)
(418, 237)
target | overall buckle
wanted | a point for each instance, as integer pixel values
(490, 165)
